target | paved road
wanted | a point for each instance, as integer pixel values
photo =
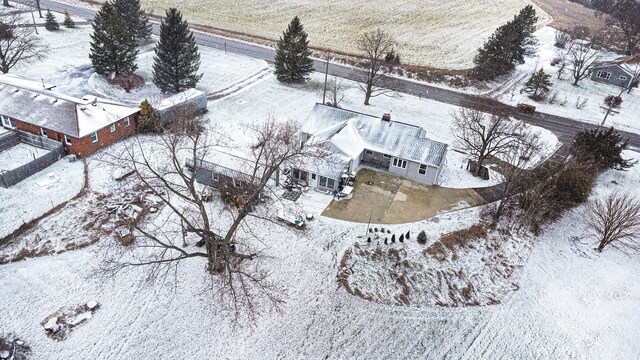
(564, 128)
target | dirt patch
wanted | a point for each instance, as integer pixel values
(58, 325)
(382, 198)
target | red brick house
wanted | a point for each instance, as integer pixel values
(82, 125)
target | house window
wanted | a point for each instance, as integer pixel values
(603, 75)
(368, 152)
(8, 122)
(313, 176)
(299, 174)
(326, 182)
(237, 183)
(127, 122)
(423, 169)
(67, 139)
(386, 156)
(94, 137)
(43, 132)
(623, 78)
(112, 128)
(214, 176)
(400, 163)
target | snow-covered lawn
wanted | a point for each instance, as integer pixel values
(567, 302)
(39, 193)
(569, 95)
(18, 155)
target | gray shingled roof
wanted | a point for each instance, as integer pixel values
(388, 137)
(26, 100)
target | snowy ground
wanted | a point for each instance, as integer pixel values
(569, 95)
(571, 303)
(18, 155)
(39, 193)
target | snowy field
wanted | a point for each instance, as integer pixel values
(39, 193)
(18, 155)
(422, 28)
(568, 95)
(568, 302)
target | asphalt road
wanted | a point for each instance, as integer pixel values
(564, 128)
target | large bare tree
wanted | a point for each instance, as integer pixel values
(614, 220)
(18, 43)
(375, 45)
(484, 136)
(623, 15)
(231, 256)
(582, 56)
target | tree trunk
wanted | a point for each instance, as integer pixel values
(367, 96)
(39, 9)
(5, 3)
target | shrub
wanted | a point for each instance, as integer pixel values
(461, 238)
(388, 231)
(369, 239)
(422, 237)
(393, 238)
(370, 230)
(376, 229)
(401, 239)
(613, 101)
(382, 230)
(408, 236)
(386, 242)
(68, 21)
(51, 23)
(127, 81)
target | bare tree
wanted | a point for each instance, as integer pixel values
(18, 44)
(159, 163)
(39, 9)
(623, 15)
(614, 220)
(484, 136)
(336, 91)
(582, 57)
(515, 169)
(375, 45)
(5, 3)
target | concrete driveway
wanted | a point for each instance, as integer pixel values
(388, 199)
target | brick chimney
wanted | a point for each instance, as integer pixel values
(386, 117)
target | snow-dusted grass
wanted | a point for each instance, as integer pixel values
(423, 29)
(569, 95)
(18, 155)
(39, 193)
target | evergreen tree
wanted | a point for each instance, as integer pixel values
(50, 22)
(113, 49)
(538, 84)
(135, 18)
(293, 58)
(601, 148)
(148, 120)
(177, 59)
(507, 46)
(68, 21)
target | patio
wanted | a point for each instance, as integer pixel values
(387, 199)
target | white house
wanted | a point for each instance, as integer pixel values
(356, 139)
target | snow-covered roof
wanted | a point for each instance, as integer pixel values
(353, 132)
(178, 98)
(230, 165)
(627, 63)
(331, 166)
(33, 102)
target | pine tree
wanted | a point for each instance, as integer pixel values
(538, 84)
(148, 120)
(51, 23)
(113, 49)
(508, 45)
(601, 148)
(293, 57)
(68, 21)
(177, 59)
(135, 18)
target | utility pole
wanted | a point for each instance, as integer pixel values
(326, 72)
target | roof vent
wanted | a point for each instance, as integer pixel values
(386, 117)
